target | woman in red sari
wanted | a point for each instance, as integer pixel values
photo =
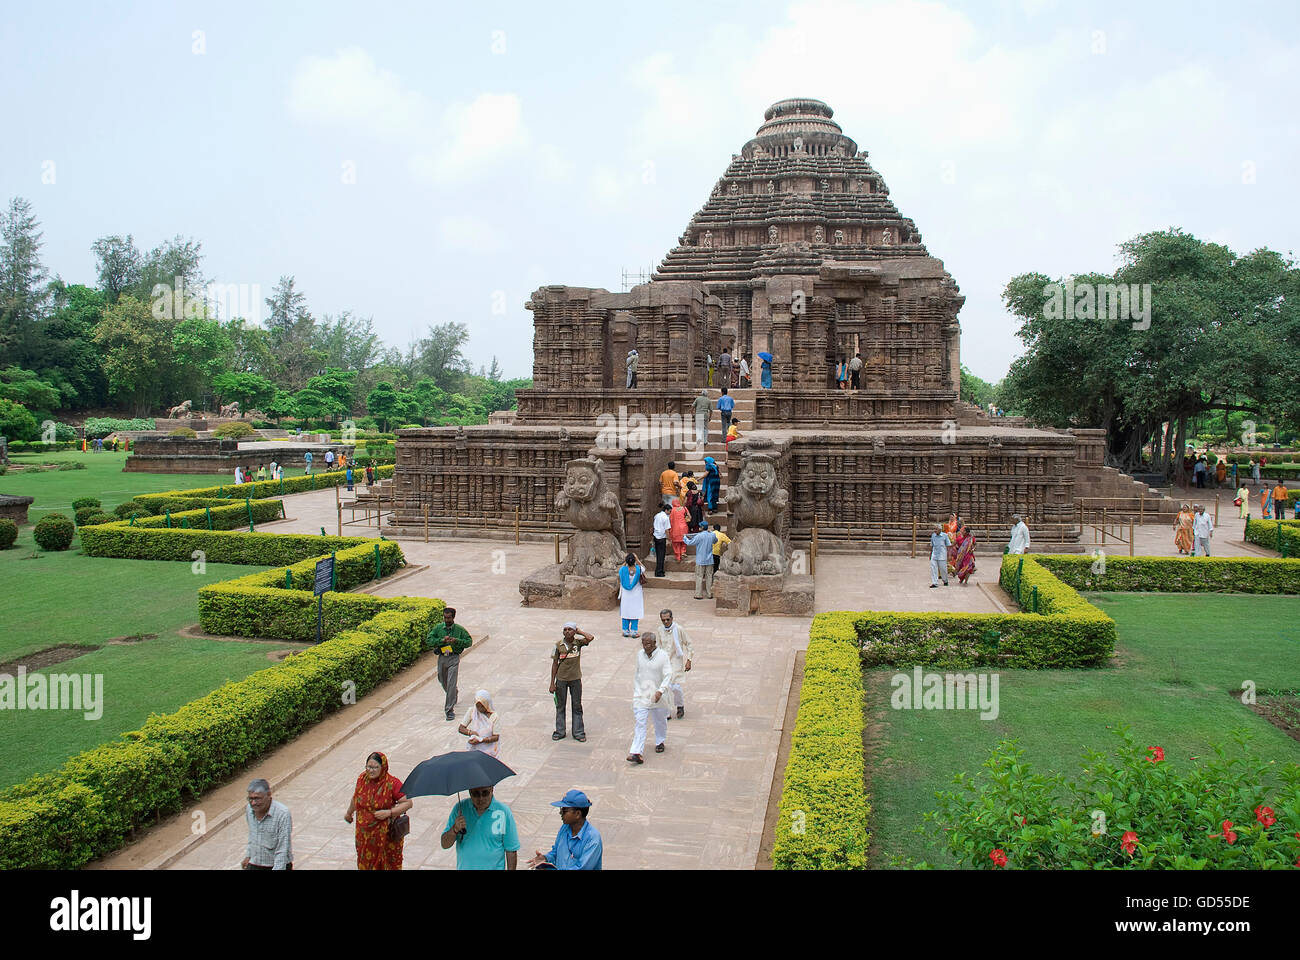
(677, 528)
(964, 565)
(377, 798)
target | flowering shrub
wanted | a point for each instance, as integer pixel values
(1135, 810)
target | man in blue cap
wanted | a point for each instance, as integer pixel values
(578, 845)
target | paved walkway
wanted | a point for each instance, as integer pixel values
(699, 805)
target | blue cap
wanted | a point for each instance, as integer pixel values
(574, 798)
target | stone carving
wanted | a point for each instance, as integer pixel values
(596, 549)
(771, 188)
(180, 410)
(708, 240)
(886, 238)
(825, 185)
(734, 188)
(771, 234)
(756, 502)
(798, 144)
(231, 409)
(839, 237)
(819, 234)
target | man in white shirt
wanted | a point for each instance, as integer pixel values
(855, 372)
(744, 369)
(654, 675)
(1202, 530)
(662, 523)
(1019, 535)
(270, 831)
(674, 641)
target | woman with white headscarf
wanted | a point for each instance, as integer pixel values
(480, 725)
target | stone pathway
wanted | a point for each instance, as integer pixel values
(699, 805)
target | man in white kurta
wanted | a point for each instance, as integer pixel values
(650, 683)
(1019, 536)
(674, 641)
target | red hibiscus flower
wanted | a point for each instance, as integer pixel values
(999, 858)
(1158, 754)
(1228, 833)
(1129, 842)
(1265, 816)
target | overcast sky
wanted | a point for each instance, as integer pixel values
(424, 163)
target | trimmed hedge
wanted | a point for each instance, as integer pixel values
(89, 807)
(54, 531)
(8, 533)
(261, 489)
(1181, 574)
(824, 804)
(82, 502)
(221, 546)
(231, 516)
(1275, 535)
(1067, 631)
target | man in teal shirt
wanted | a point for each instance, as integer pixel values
(483, 830)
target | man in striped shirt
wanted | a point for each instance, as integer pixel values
(270, 831)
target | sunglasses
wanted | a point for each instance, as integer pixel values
(479, 794)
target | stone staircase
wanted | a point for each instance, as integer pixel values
(692, 460)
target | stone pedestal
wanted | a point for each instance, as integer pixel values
(546, 587)
(785, 595)
(15, 508)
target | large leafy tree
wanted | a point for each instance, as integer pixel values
(250, 389)
(385, 404)
(136, 350)
(118, 264)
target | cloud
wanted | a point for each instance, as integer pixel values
(475, 136)
(468, 234)
(350, 90)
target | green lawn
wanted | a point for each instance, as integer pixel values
(67, 598)
(1178, 657)
(103, 477)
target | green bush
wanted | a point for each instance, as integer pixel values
(1139, 810)
(17, 422)
(99, 517)
(1184, 574)
(220, 546)
(824, 805)
(54, 531)
(103, 426)
(125, 510)
(85, 502)
(71, 465)
(8, 533)
(81, 513)
(1276, 535)
(88, 808)
(234, 430)
(185, 432)
(261, 488)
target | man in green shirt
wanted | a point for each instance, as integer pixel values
(449, 638)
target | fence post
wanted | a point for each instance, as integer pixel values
(516, 526)
(378, 567)
(1103, 524)
(1142, 505)
(1130, 536)
(1020, 570)
(288, 579)
(339, 507)
(208, 511)
(1216, 509)
(248, 504)
(168, 518)
(1034, 594)
(334, 570)
(914, 536)
(812, 551)
(557, 549)
(426, 523)
(1245, 533)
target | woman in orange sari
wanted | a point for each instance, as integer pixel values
(376, 799)
(677, 528)
(1183, 530)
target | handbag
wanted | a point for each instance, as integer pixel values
(398, 827)
(1237, 502)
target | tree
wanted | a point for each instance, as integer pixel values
(17, 423)
(137, 353)
(312, 404)
(26, 387)
(175, 263)
(336, 386)
(23, 294)
(385, 404)
(287, 307)
(69, 357)
(439, 357)
(280, 406)
(253, 392)
(118, 264)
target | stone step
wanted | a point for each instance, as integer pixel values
(671, 581)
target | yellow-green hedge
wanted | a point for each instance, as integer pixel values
(262, 489)
(1275, 534)
(219, 546)
(824, 805)
(1179, 574)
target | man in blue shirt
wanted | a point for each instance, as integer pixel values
(703, 543)
(726, 403)
(483, 830)
(578, 845)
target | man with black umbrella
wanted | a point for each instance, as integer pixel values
(483, 830)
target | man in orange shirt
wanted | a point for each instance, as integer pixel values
(1279, 501)
(668, 484)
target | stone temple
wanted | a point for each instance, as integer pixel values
(799, 252)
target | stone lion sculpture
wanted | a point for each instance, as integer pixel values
(596, 548)
(180, 410)
(231, 409)
(757, 502)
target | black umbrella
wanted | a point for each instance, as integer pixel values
(453, 772)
